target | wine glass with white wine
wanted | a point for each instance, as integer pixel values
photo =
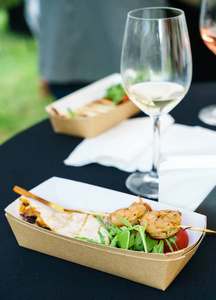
(156, 70)
(208, 34)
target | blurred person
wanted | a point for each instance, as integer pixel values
(80, 41)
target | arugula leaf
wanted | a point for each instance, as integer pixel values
(115, 93)
(132, 240)
(130, 237)
(151, 243)
(171, 240)
(104, 226)
(141, 230)
(123, 239)
(71, 113)
(159, 248)
(138, 244)
(114, 241)
(124, 221)
(113, 229)
(86, 239)
(102, 239)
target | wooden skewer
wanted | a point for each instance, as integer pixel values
(197, 229)
(87, 212)
(61, 209)
(54, 206)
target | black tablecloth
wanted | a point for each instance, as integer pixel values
(36, 155)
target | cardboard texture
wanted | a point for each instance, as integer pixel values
(90, 126)
(155, 270)
(157, 273)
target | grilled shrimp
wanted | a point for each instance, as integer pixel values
(161, 224)
(132, 213)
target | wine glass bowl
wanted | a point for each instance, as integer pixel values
(207, 24)
(156, 69)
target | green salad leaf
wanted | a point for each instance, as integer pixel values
(159, 248)
(114, 242)
(104, 226)
(115, 93)
(71, 113)
(130, 237)
(86, 239)
(171, 240)
(113, 230)
(123, 239)
(101, 238)
(125, 222)
(138, 243)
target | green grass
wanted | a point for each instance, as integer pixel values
(21, 104)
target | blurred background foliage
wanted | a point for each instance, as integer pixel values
(21, 103)
(5, 4)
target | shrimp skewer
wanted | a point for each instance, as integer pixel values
(128, 213)
(161, 224)
(132, 214)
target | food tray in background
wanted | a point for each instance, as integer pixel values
(89, 126)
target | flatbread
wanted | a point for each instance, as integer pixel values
(90, 110)
(72, 225)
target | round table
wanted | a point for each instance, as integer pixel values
(37, 154)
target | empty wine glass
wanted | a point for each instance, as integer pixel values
(208, 35)
(156, 69)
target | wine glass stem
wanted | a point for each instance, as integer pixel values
(156, 145)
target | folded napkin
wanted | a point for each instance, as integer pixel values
(120, 146)
(186, 180)
(128, 146)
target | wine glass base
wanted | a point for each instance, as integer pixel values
(143, 184)
(208, 115)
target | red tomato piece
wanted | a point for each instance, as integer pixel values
(181, 241)
(124, 99)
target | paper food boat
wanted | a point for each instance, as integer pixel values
(155, 270)
(89, 126)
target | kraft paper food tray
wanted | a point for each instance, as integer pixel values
(89, 126)
(155, 273)
(156, 270)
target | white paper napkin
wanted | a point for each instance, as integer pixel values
(186, 180)
(181, 140)
(128, 146)
(120, 146)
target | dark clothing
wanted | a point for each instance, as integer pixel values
(80, 41)
(61, 90)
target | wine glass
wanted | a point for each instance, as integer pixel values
(208, 34)
(156, 70)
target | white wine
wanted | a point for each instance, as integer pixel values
(156, 98)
